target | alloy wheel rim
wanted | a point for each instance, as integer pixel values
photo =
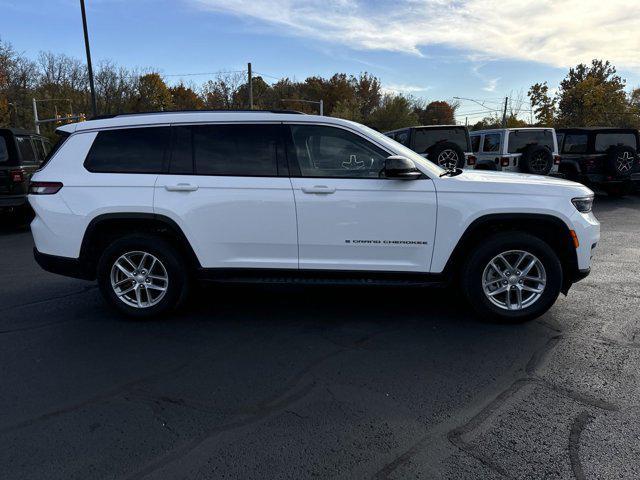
(448, 159)
(538, 163)
(514, 280)
(139, 279)
(624, 162)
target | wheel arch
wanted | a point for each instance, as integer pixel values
(550, 229)
(106, 227)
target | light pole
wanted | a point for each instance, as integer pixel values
(94, 106)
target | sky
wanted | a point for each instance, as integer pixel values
(434, 49)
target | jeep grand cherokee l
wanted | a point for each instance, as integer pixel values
(601, 157)
(145, 203)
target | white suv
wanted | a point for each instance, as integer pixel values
(145, 203)
(526, 150)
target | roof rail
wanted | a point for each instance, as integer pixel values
(114, 115)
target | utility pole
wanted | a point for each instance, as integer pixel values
(94, 106)
(321, 107)
(250, 86)
(35, 116)
(504, 114)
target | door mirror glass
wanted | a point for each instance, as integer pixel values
(401, 168)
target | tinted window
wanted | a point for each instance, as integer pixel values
(333, 152)
(425, 138)
(521, 139)
(237, 150)
(4, 153)
(606, 140)
(575, 143)
(37, 143)
(27, 154)
(403, 137)
(475, 143)
(491, 142)
(129, 150)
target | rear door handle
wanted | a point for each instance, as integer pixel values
(181, 187)
(319, 189)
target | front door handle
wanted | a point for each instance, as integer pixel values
(181, 187)
(319, 189)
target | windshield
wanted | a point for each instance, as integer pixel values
(400, 149)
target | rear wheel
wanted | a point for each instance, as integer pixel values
(142, 276)
(512, 277)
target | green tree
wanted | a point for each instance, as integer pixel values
(544, 106)
(395, 111)
(592, 95)
(437, 113)
(153, 94)
(185, 98)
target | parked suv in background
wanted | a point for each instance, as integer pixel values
(601, 157)
(445, 145)
(146, 203)
(21, 153)
(526, 150)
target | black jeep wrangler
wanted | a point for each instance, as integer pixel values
(21, 153)
(446, 145)
(601, 157)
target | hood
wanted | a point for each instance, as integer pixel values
(483, 181)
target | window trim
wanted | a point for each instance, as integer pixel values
(294, 166)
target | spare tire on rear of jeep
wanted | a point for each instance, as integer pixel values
(620, 160)
(536, 159)
(447, 155)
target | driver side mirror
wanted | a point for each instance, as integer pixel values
(400, 168)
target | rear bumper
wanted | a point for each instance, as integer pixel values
(13, 201)
(69, 267)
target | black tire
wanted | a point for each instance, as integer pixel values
(621, 160)
(447, 148)
(170, 259)
(472, 276)
(536, 159)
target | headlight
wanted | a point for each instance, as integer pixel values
(583, 204)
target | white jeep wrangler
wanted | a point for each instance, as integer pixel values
(146, 203)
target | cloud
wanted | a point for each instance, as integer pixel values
(403, 88)
(561, 33)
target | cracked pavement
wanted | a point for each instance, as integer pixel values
(297, 382)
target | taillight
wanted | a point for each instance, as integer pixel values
(504, 161)
(44, 188)
(556, 159)
(17, 176)
(471, 160)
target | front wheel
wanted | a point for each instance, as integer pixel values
(512, 277)
(142, 276)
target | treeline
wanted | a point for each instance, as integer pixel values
(64, 81)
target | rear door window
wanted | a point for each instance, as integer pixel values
(491, 142)
(403, 137)
(475, 143)
(129, 150)
(521, 139)
(575, 143)
(39, 147)
(27, 153)
(606, 140)
(4, 152)
(425, 138)
(226, 150)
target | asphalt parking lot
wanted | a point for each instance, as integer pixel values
(296, 382)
